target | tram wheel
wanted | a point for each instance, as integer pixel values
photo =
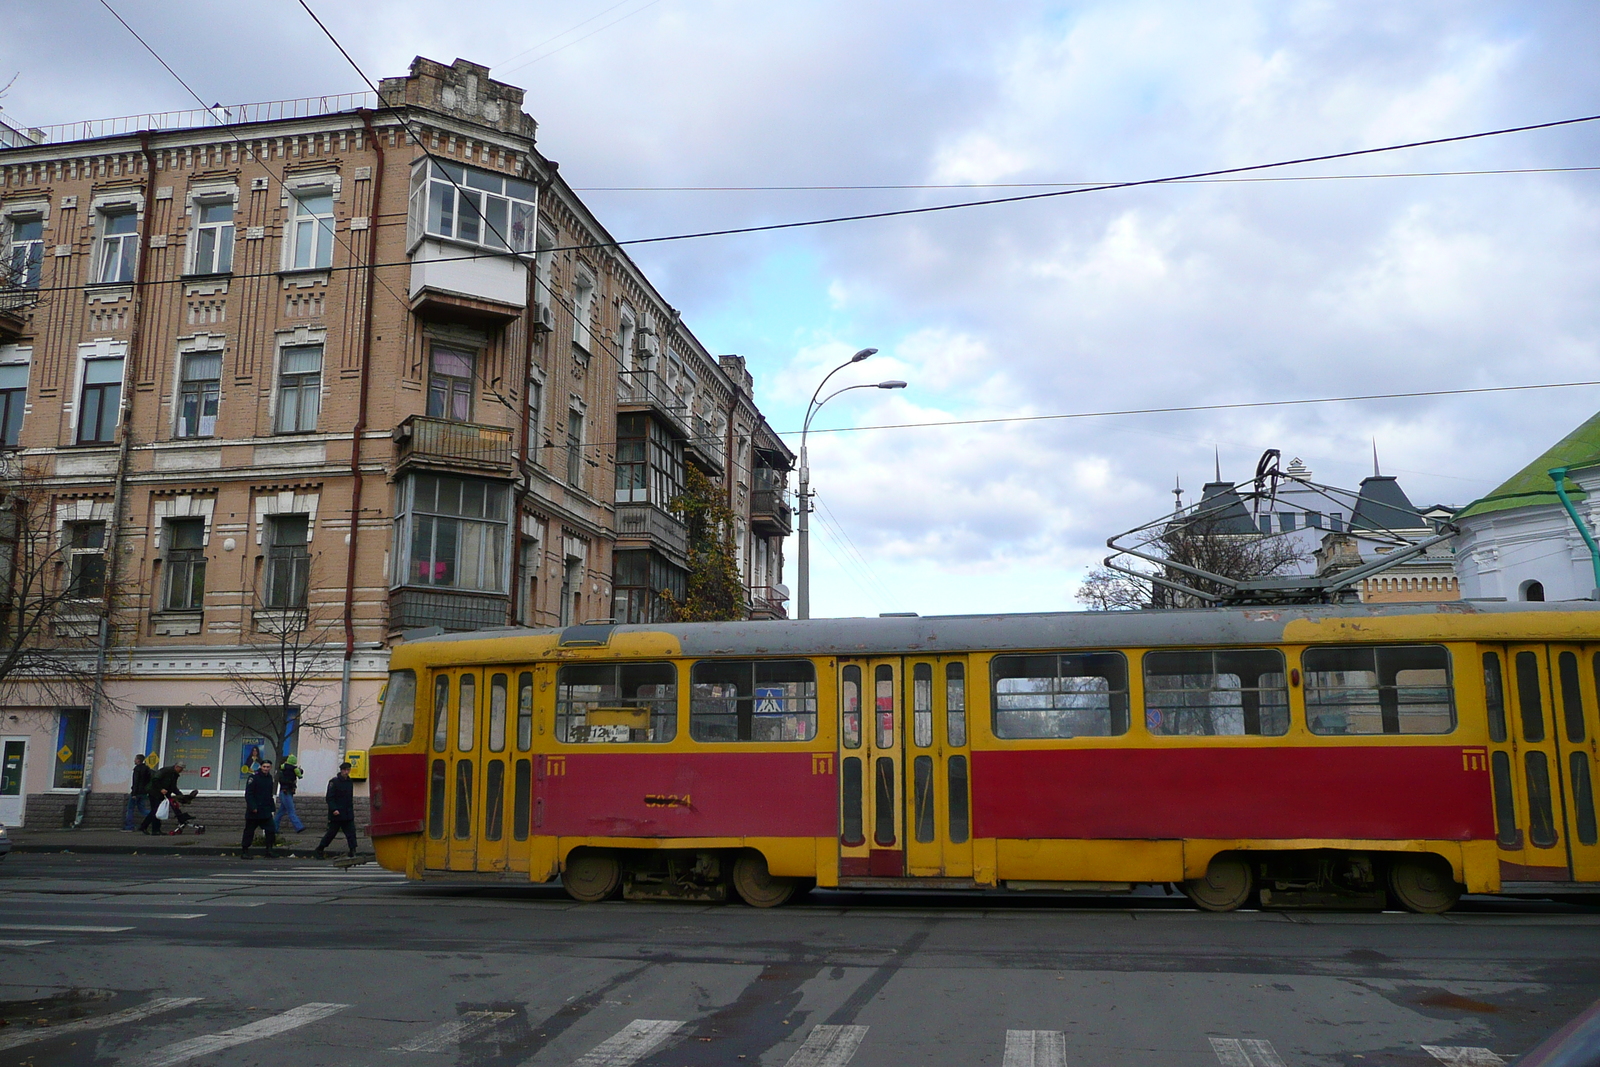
(1228, 883)
(756, 885)
(591, 876)
(1424, 883)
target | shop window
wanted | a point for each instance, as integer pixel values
(611, 703)
(1394, 689)
(72, 737)
(1060, 696)
(753, 700)
(1235, 693)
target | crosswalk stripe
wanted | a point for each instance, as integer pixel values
(206, 1044)
(15, 943)
(829, 1046)
(47, 928)
(470, 1025)
(1035, 1048)
(630, 1044)
(98, 1022)
(1245, 1052)
(1463, 1056)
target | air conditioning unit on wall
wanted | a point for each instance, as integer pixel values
(543, 317)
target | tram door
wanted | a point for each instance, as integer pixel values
(1543, 772)
(453, 772)
(903, 768)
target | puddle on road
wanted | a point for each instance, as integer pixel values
(24, 1007)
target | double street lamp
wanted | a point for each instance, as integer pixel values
(804, 606)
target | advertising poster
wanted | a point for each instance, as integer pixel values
(252, 750)
(194, 737)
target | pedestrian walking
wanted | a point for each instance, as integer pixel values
(289, 776)
(258, 809)
(341, 811)
(138, 804)
(163, 784)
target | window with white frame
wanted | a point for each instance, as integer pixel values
(625, 335)
(100, 403)
(536, 422)
(25, 251)
(544, 261)
(299, 388)
(310, 229)
(213, 236)
(118, 254)
(450, 376)
(583, 311)
(288, 560)
(185, 559)
(13, 391)
(453, 532)
(575, 448)
(475, 206)
(199, 393)
(84, 544)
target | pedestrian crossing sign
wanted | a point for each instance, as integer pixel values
(769, 701)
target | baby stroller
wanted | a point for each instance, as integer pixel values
(174, 805)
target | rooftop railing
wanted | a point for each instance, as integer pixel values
(229, 115)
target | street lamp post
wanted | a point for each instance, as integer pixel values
(804, 599)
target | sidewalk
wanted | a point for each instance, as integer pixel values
(222, 842)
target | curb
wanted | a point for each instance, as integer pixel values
(159, 850)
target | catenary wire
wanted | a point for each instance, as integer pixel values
(585, 37)
(837, 527)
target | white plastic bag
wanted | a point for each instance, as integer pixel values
(165, 810)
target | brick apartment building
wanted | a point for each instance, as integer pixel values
(323, 372)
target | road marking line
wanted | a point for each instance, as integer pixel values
(47, 928)
(1245, 1052)
(630, 1044)
(829, 1046)
(471, 1025)
(239, 1035)
(98, 1022)
(1463, 1056)
(13, 943)
(1035, 1048)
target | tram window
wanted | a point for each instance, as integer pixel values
(1494, 696)
(958, 800)
(441, 712)
(604, 703)
(398, 718)
(1528, 697)
(1541, 817)
(883, 704)
(463, 800)
(524, 711)
(850, 706)
(1386, 689)
(494, 800)
(922, 705)
(497, 713)
(955, 703)
(1505, 802)
(436, 800)
(884, 812)
(521, 799)
(1571, 695)
(922, 797)
(467, 713)
(753, 700)
(850, 832)
(1583, 797)
(1060, 696)
(1234, 694)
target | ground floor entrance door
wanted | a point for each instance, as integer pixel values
(13, 760)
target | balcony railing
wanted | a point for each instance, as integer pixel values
(648, 388)
(231, 115)
(648, 521)
(769, 509)
(440, 442)
(769, 601)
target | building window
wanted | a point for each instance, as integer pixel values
(119, 245)
(72, 737)
(570, 608)
(213, 241)
(536, 422)
(640, 577)
(288, 561)
(455, 531)
(199, 390)
(86, 560)
(582, 311)
(186, 564)
(25, 258)
(475, 206)
(625, 336)
(299, 388)
(575, 448)
(13, 399)
(649, 462)
(311, 229)
(450, 384)
(102, 401)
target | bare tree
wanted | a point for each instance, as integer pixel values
(1206, 541)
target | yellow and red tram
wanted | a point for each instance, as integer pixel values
(1311, 755)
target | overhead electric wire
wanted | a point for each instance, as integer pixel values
(832, 521)
(585, 37)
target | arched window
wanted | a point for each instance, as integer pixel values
(1533, 591)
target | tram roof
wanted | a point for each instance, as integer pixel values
(935, 634)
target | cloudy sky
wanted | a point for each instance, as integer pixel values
(1205, 293)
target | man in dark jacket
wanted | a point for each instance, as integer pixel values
(163, 784)
(341, 811)
(258, 809)
(138, 795)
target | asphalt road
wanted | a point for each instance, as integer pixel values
(151, 961)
